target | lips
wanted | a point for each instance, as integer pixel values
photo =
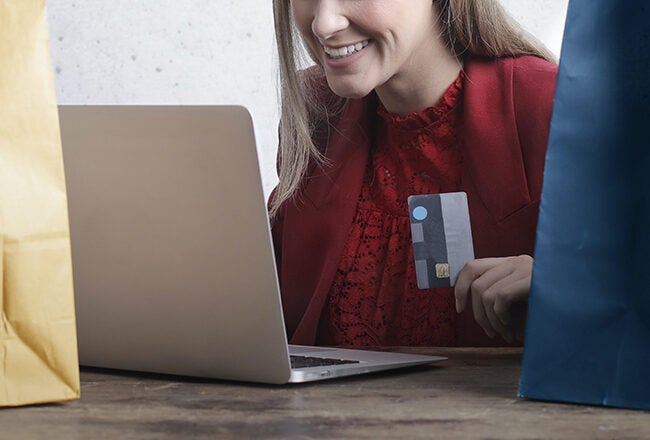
(345, 51)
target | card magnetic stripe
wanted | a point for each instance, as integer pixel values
(458, 233)
(429, 242)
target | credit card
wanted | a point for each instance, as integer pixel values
(442, 237)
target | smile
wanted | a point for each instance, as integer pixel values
(345, 51)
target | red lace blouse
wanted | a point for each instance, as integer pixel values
(374, 299)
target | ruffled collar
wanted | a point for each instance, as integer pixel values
(429, 116)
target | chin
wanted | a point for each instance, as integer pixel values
(349, 92)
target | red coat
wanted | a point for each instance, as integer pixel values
(507, 110)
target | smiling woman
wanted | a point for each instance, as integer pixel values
(396, 48)
(407, 97)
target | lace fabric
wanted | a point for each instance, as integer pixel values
(374, 299)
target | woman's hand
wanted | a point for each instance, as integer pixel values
(499, 290)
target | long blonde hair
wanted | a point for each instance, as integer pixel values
(470, 27)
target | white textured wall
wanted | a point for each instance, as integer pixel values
(196, 52)
(169, 52)
(544, 19)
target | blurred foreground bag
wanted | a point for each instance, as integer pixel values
(38, 346)
(588, 329)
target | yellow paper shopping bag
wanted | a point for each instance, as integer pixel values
(38, 345)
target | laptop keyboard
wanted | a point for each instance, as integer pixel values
(309, 361)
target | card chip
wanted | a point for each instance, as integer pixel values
(442, 270)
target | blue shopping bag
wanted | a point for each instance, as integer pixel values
(588, 329)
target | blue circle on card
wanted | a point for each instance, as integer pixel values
(420, 213)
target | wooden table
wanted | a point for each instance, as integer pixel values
(471, 395)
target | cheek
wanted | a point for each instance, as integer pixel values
(301, 16)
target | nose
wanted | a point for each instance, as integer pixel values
(329, 18)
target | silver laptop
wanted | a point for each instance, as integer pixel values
(172, 253)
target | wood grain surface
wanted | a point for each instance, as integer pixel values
(471, 395)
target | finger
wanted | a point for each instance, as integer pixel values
(505, 331)
(463, 284)
(488, 287)
(496, 323)
(508, 282)
(510, 290)
(461, 292)
(472, 270)
(479, 313)
(487, 279)
(513, 289)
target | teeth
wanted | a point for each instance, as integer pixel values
(346, 50)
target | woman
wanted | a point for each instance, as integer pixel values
(407, 97)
